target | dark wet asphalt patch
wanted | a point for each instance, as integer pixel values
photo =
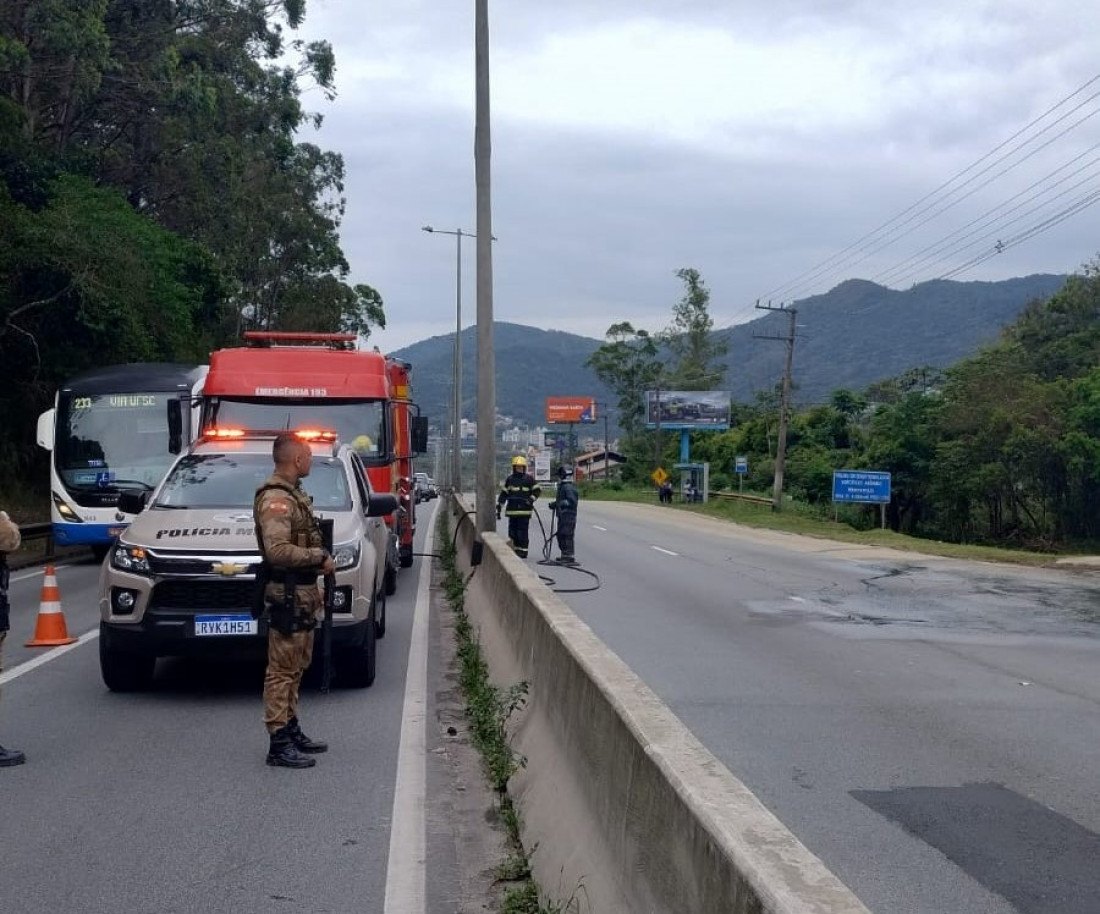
(1038, 860)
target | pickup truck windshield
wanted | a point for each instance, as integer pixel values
(231, 480)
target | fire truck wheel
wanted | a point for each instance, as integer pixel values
(406, 556)
(356, 665)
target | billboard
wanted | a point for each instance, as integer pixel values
(689, 409)
(570, 409)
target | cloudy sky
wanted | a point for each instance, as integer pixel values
(752, 140)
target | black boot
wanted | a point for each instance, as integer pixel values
(302, 742)
(285, 754)
(11, 757)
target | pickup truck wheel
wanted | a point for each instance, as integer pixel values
(356, 666)
(389, 582)
(380, 618)
(124, 671)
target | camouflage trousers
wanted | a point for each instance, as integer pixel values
(288, 657)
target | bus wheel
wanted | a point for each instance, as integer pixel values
(99, 553)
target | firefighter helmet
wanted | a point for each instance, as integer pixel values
(518, 462)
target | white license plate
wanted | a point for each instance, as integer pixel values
(231, 624)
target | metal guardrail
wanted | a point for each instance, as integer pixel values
(36, 531)
(33, 533)
(737, 496)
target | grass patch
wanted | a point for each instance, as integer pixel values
(489, 707)
(806, 520)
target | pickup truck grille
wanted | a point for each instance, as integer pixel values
(200, 596)
(167, 564)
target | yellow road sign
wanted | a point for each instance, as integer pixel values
(659, 476)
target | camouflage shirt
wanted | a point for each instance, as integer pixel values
(291, 540)
(9, 534)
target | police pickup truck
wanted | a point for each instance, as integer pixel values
(181, 578)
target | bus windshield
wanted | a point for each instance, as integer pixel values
(360, 423)
(113, 440)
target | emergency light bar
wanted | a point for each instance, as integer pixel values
(305, 434)
(294, 337)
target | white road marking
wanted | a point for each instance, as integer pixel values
(34, 574)
(798, 599)
(16, 671)
(598, 527)
(407, 865)
(665, 551)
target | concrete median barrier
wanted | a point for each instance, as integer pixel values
(624, 809)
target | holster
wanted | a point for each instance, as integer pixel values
(259, 600)
(284, 615)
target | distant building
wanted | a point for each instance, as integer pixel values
(596, 464)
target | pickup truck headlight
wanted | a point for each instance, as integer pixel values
(130, 558)
(347, 556)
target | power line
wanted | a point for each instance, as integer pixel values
(840, 256)
(951, 245)
(1001, 246)
(947, 203)
(881, 235)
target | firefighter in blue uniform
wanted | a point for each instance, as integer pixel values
(565, 506)
(517, 497)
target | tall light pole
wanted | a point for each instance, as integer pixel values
(456, 403)
(486, 356)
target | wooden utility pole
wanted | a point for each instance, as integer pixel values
(784, 401)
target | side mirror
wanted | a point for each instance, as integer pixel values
(175, 426)
(381, 505)
(419, 435)
(45, 429)
(132, 502)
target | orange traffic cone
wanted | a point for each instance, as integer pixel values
(50, 629)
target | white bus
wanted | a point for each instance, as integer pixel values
(111, 430)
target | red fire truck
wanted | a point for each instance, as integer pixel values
(291, 380)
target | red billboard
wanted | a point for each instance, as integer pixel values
(570, 409)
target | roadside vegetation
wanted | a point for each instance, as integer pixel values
(808, 520)
(156, 196)
(489, 707)
(1001, 449)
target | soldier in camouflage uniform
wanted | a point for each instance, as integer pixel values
(290, 541)
(9, 542)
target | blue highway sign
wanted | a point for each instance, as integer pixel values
(870, 486)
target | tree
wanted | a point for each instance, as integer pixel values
(628, 363)
(696, 351)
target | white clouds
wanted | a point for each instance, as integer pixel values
(748, 139)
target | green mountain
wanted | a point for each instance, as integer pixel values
(851, 336)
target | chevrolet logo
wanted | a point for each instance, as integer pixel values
(228, 569)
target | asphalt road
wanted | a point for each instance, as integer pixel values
(161, 801)
(928, 727)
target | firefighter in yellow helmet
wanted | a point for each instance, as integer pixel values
(517, 498)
